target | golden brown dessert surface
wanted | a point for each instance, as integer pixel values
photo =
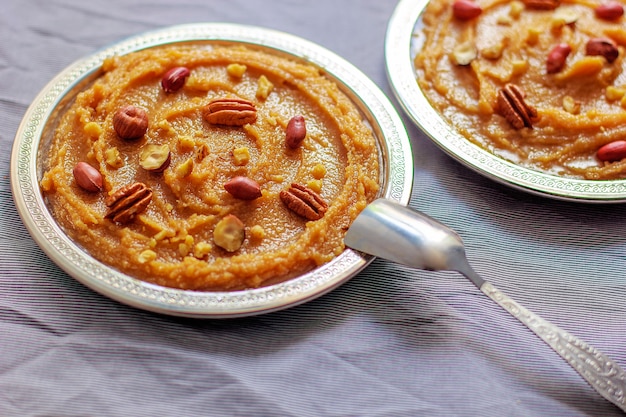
(551, 50)
(182, 199)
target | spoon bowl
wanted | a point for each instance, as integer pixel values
(391, 231)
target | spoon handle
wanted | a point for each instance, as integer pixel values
(601, 372)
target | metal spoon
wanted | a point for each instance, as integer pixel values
(389, 230)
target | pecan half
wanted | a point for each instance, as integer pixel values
(230, 112)
(126, 202)
(513, 107)
(542, 4)
(304, 202)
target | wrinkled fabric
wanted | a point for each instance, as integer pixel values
(390, 342)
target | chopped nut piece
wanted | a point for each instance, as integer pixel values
(570, 105)
(533, 35)
(186, 143)
(155, 158)
(464, 53)
(257, 232)
(93, 129)
(494, 51)
(184, 249)
(504, 20)
(185, 169)
(564, 17)
(236, 70)
(315, 185)
(516, 8)
(519, 67)
(229, 233)
(147, 256)
(264, 88)
(113, 158)
(202, 249)
(201, 152)
(241, 156)
(615, 93)
(318, 171)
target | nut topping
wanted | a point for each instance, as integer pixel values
(611, 10)
(229, 233)
(513, 107)
(296, 131)
(557, 57)
(542, 4)
(604, 47)
(128, 201)
(243, 188)
(466, 9)
(87, 177)
(230, 112)
(612, 151)
(174, 79)
(304, 202)
(155, 158)
(464, 53)
(130, 122)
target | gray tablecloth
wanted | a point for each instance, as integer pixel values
(390, 342)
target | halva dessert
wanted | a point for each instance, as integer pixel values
(537, 82)
(210, 167)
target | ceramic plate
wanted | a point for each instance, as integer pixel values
(34, 134)
(402, 43)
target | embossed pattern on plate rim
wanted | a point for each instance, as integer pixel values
(401, 46)
(25, 175)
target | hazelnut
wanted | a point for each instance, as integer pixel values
(130, 122)
(87, 177)
(604, 47)
(229, 233)
(243, 188)
(174, 79)
(296, 131)
(155, 158)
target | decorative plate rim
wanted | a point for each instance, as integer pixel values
(401, 45)
(25, 176)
